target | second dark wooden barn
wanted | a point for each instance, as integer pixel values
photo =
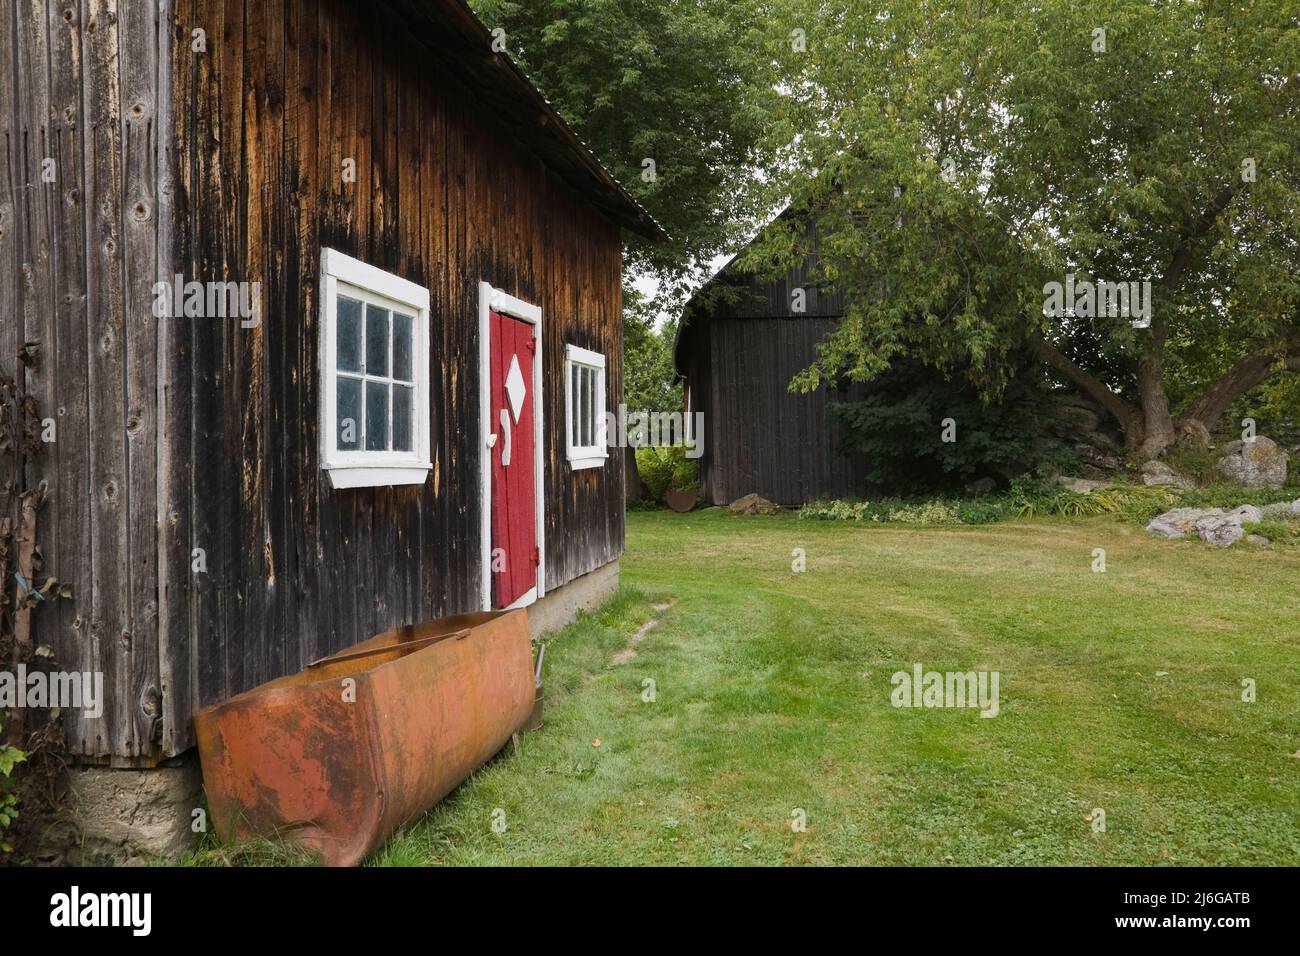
(741, 340)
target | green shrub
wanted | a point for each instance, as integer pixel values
(10, 757)
(895, 423)
(1229, 496)
(838, 511)
(892, 510)
(1195, 463)
(1031, 496)
(937, 511)
(667, 469)
(985, 510)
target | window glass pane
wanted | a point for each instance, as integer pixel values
(349, 414)
(591, 410)
(402, 325)
(348, 334)
(376, 341)
(573, 402)
(586, 408)
(577, 406)
(377, 415)
(403, 412)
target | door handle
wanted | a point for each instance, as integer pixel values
(505, 429)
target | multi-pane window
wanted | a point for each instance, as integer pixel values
(584, 384)
(375, 375)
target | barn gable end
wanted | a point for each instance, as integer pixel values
(740, 343)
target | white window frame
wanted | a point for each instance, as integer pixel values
(585, 456)
(341, 274)
(495, 300)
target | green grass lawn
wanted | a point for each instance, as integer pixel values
(1119, 690)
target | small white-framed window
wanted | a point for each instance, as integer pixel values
(584, 407)
(374, 375)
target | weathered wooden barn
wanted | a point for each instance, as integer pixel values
(741, 339)
(327, 300)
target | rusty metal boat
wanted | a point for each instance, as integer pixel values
(340, 755)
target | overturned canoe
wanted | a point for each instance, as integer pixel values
(340, 755)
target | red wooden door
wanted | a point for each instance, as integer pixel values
(514, 480)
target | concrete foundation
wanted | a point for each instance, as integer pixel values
(558, 608)
(134, 816)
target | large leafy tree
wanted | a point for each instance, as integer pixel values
(682, 84)
(648, 377)
(960, 155)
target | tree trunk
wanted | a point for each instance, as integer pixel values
(1157, 423)
(1149, 429)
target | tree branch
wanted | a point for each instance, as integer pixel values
(1247, 373)
(1127, 416)
(1198, 228)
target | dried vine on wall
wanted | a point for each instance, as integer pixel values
(33, 740)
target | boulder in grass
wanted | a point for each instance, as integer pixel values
(1258, 463)
(1246, 514)
(753, 505)
(1282, 511)
(1180, 522)
(1221, 530)
(1158, 473)
(1212, 525)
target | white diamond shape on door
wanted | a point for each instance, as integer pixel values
(515, 388)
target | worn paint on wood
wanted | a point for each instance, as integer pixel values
(760, 438)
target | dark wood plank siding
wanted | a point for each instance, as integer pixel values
(445, 197)
(81, 254)
(177, 435)
(761, 437)
(755, 297)
(741, 345)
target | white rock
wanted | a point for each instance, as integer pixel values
(1246, 514)
(1180, 522)
(1158, 473)
(1221, 530)
(1283, 510)
(1258, 463)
